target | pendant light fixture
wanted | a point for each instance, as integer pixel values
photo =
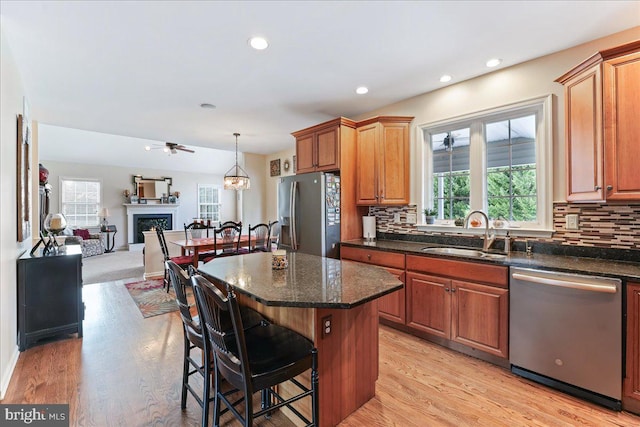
(236, 178)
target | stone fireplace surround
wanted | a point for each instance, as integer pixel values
(134, 209)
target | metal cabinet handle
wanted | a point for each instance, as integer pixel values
(597, 187)
(453, 289)
(609, 187)
(446, 289)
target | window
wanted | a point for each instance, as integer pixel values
(80, 201)
(209, 204)
(497, 161)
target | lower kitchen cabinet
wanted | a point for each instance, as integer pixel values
(631, 397)
(392, 306)
(451, 306)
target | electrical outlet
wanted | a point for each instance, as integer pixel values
(396, 217)
(412, 218)
(326, 325)
(571, 222)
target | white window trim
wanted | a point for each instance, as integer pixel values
(544, 150)
(71, 178)
(215, 186)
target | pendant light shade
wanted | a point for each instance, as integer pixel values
(236, 178)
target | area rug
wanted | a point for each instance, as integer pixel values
(151, 297)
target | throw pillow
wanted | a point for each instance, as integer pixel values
(81, 232)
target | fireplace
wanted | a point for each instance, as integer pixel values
(143, 217)
(146, 222)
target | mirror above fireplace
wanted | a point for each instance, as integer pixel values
(151, 188)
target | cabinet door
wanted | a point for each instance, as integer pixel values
(583, 127)
(631, 399)
(479, 317)
(392, 306)
(393, 164)
(429, 304)
(367, 158)
(305, 161)
(328, 149)
(622, 127)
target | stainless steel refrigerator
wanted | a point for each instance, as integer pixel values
(309, 213)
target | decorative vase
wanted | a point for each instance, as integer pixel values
(43, 174)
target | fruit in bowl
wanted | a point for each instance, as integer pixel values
(475, 222)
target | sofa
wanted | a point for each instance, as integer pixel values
(91, 242)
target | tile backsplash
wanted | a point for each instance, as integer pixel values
(599, 225)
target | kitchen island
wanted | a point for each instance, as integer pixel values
(333, 303)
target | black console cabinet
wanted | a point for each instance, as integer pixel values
(49, 295)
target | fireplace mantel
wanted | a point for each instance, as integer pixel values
(156, 208)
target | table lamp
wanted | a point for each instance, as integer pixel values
(104, 213)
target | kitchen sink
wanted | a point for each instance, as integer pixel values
(473, 253)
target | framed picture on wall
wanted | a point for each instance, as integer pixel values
(275, 167)
(23, 168)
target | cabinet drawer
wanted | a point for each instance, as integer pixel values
(381, 258)
(477, 272)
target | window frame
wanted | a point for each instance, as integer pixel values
(100, 202)
(214, 187)
(542, 106)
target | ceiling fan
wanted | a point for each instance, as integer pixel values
(169, 147)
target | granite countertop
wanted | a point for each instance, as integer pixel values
(569, 264)
(309, 281)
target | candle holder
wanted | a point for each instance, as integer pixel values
(279, 260)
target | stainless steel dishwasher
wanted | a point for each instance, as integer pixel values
(565, 331)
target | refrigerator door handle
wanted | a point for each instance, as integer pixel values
(292, 215)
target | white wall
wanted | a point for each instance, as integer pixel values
(116, 179)
(11, 95)
(253, 201)
(513, 84)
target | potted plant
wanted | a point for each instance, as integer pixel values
(430, 216)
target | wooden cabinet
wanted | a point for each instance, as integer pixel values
(382, 153)
(631, 397)
(49, 296)
(319, 148)
(601, 126)
(391, 306)
(461, 301)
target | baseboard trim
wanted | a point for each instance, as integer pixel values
(6, 376)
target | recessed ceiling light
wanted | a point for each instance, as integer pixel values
(494, 62)
(362, 90)
(445, 78)
(207, 105)
(258, 43)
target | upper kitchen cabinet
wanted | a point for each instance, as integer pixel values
(602, 101)
(319, 148)
(382, 161)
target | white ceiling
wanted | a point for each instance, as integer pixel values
(141, 69)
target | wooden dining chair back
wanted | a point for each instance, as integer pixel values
(227, 240)
(259, 238)
(237, 224)
(274, 235)
(253, 359)
(195, 230)
(183, 261)
(193, 338)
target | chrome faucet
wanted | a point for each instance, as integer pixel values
(488, 239)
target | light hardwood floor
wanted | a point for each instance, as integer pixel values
(126, 371)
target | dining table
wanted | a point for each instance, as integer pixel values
(197, 246)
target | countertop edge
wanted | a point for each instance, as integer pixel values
(562, 263)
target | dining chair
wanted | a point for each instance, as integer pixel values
(237, 224)
(274, 235)
(227, 240)
(253, 359)
(259, 238)
(194, 230)
(184, 261)
(193, 338)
